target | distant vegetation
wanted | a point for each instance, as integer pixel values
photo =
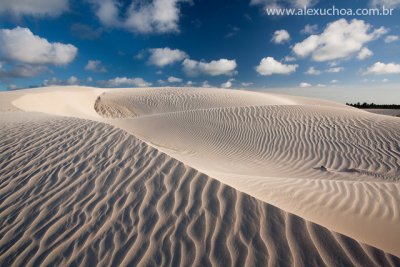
(373, 106)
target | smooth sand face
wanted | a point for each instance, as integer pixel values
(76, 190)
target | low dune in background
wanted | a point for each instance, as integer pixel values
(107, 176)
(388, 112)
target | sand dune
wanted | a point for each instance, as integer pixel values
(78, 192)
(388, 112)
(81, 188)
(274, 151)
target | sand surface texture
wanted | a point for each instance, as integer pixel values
(81, 188)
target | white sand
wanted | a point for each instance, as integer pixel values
(75, 190)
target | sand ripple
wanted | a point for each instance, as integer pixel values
(329, 163)
(78, 192)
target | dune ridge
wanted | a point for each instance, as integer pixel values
(79, 192)
(329, 163)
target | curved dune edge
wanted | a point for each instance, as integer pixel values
(344, 198)
(78, 192)
(273, 152)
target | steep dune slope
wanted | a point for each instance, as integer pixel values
(329, 163)
(78, 192)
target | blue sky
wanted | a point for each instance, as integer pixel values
(232, 44)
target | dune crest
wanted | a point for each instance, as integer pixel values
(332, 164)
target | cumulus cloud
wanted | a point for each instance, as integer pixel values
(383, 68)
(335, 69)
(304, 85)
(124, 81)
(246, 84)
(284, 3)
(21, 45)
(154, 16)
(386, 3)
(269, 66)
(313, 71)
(173, 79)
(340, 39)
(289, 59)
(205, 84)
(228, 83)
(280, 36)
(213, 68)
(364, 53)
(309, 29)
(19, 70)
(72, 80)
(95, 66)
(52, 81)
(37, 8)
(162, 57)
(391, 38)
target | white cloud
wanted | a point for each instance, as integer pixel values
(289, 59)
(269, 66)
(321, 85)
(72, 80)
(340, 39)
(391, 38)
(332, 64)
(165, 56)
(280, 37)
(21, 45)
(12, 87)
(213, 68)
(309, 29)
(228, 83)
(189, 83)
(364, 53)
(304, 85)
(335, 70)
(205, 84)
(244, 84)
(284, 3)
(173, 79)
(95, 66)
(313, 71)
(385, 80)
(53, 81)
(334, 81)
(89, 79)
(123, 81)
(154, 16)
(382, 68)
(19, 70)
(37, 8)
(385, 3)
